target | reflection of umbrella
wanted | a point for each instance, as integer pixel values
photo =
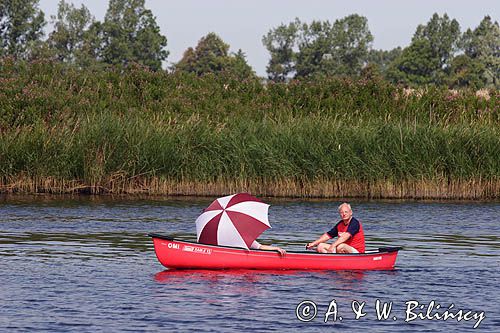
(236, 220)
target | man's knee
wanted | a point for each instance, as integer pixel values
(341, 248)
(344, 248)
(322, 248)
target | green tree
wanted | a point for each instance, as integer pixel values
(319, 48)
(443, 35)
(71, 32)
(371, 72)
(130, 34)
(466, 72)
(91, 53)
(281, 43)
(383, 59)
(340, 48)
(316, 46)
(21, 27)
(352, 43)
(211, 55)
(428, 58)
(239, 65)
(483, 45)
(415, 66)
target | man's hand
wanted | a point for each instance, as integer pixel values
(281, 251)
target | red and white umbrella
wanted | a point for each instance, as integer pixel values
(236, 220)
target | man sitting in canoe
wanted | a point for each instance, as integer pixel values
(351, 238)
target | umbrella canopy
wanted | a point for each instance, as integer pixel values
(236, 220)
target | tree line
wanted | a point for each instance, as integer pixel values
(439, 53)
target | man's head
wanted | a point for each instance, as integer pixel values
(345, 212)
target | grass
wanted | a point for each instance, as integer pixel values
(135, 131)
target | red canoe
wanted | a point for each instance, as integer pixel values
(180, 254)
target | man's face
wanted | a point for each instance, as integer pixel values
(345, 213)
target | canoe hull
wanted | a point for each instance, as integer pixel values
(177, 254)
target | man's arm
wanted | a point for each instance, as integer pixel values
(345, 236)
(324, 238)
(273, 248)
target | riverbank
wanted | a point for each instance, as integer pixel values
(64, 130)
(466, 190)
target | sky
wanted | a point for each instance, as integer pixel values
(242, 24)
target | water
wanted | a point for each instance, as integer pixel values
(86, 265)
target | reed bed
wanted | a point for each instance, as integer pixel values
(475, 189)
(129, 130)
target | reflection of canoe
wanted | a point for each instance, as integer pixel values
(174, 253)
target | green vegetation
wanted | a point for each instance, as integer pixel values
(318, 49)
(439, 54)
(90, 109)
(132, 130)
(21, 27)
(211, 55)
(129, 33)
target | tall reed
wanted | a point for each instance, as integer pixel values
(130, 130)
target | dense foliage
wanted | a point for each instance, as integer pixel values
(110, 126)
(21, 27)
(211, 55)
(91, 108)
(439, 53)
(129, 33)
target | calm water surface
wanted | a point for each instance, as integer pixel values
(86, 265)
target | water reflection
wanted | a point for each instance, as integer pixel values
(245, 281)
(172, 276)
